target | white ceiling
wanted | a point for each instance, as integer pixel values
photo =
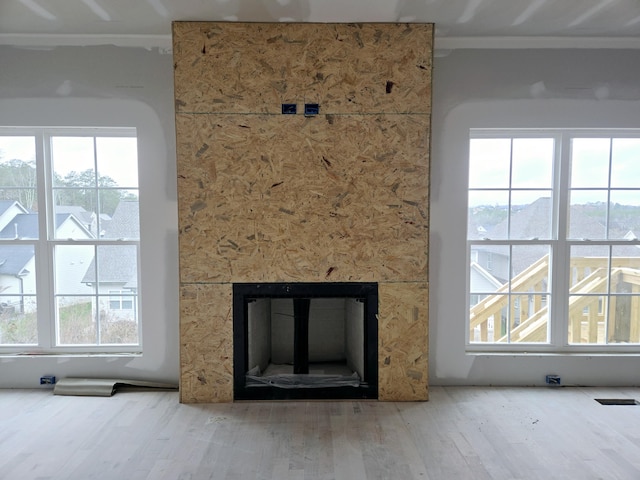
(459, 23)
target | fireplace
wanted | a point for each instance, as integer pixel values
(305, 340)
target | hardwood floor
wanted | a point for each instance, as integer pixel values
(461, 433)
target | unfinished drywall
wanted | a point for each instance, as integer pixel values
(341, 195)
(502, 89)
(108, 86)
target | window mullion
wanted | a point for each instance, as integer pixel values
(560, 255)
(44, 280)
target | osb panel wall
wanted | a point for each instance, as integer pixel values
(347, 68)
(283, 200)
(341, 196)
(403, 363)
(206, 349)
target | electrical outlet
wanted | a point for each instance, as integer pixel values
(289, 108)
(552, 379)
(311, 109)
(47, 380)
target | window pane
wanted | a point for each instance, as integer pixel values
(589, 269)
(18, 320)
(17, 178)
(73, 161)
(118, 161)
(624, 214)
(74, 269)
(515, 311)
(530, 215)
(587, 319)
(118, 270)
(530, 290)
(589, 286)
(587, 214)
(532, 163)
(18, 311)
(486, 210)
(590, 162)
(76, 320)
(489, 268)
(123, 220)
(489, 162)
(625, 163)
(529, 319)
(117, 267)
(16, 224)
(488, 319)
(624, 313)
(118, 325)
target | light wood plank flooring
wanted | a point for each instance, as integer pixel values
(461, 433)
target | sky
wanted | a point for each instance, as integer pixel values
(532, 170)
(117, 157)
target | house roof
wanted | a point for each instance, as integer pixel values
(79, 212)
(6, 204)
(533, 222)
(14, 259)
(485, 274)
(25, 225)
(118, 263)
(125, 222)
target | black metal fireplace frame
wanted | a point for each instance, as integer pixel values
(243, 293)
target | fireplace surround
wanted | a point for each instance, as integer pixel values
(339, 195)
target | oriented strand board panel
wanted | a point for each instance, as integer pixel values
(347, 68)
(403, 320)
(206, 348)
(338, 196)
(288, 198)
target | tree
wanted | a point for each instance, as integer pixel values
(80, 189)
(18, 182)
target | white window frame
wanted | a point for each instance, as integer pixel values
(558, 332)
(46, 243)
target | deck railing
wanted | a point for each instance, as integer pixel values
(598, 312)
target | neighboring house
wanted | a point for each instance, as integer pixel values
(118, 264)
(8, 210)
(482, 281)
(17, 278)
(88, 219)
(17, 262)
(532, 222)
(25, 226)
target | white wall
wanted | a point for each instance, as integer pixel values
(109, 86)
(471, 88)
(512, 88)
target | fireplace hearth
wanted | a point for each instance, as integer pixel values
(305, 340)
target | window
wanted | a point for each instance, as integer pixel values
(555, 215)
(119, 300)
(69, 239)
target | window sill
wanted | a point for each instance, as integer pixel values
(70, 355)
(608, 354)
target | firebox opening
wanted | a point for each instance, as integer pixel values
(305, 340)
